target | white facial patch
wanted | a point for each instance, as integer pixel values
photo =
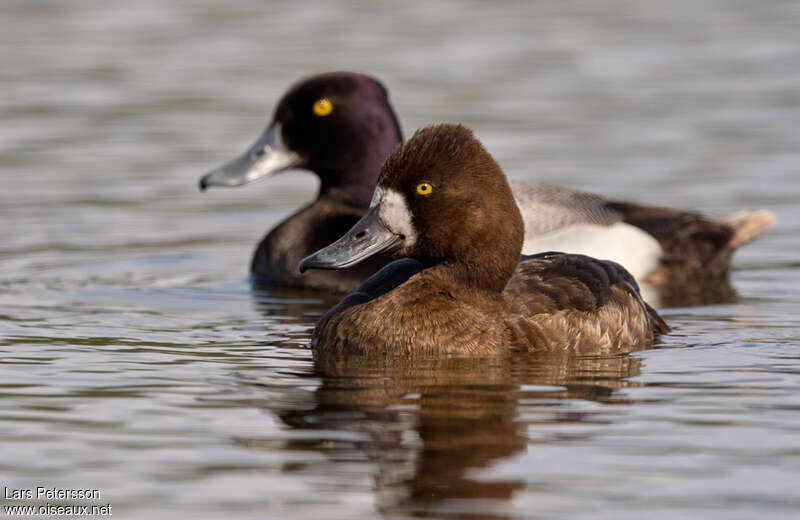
(395, 215)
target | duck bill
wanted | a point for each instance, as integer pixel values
(367, 238)
(266, 156)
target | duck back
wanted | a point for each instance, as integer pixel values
(575, 303)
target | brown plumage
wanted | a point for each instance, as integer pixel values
(467, 291)
(594, 303)
(346, 148)
(697, 251)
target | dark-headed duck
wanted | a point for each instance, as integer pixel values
(443, 202)
(341, 126)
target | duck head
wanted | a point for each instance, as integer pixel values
(339, 125)
(443, 200)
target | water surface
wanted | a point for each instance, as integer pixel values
(134, 358)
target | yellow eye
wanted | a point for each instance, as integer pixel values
(322, 107)
(424, 188)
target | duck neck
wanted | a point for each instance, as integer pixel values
(487, 258)
(353, 187)
(488, 275)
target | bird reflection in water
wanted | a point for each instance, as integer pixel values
(431, 424)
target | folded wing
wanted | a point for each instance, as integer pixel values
(565, 302)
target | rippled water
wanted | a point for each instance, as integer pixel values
(135, 360)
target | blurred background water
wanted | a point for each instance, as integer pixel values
(134, 358)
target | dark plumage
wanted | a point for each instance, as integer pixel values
(346, 147)
(696, 251)
(310, 229)
(467, 291)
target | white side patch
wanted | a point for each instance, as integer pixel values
(395, 215)
(628, 245)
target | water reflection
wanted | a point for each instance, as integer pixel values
(709, 290)
(132, 354)
(430, 425)
(284, 302)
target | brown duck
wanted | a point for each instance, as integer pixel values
(443, 202)
(341, 126)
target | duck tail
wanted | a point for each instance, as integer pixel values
(747, 225)
(659, 325)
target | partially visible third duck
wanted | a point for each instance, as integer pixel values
(444, 202)
(341, 126)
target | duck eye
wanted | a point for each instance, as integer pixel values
(424, 188)
(322, 107)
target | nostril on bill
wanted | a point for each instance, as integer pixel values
(361, 234)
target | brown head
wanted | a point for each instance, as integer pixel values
(442, 199)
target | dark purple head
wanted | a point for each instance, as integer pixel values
(339, 125)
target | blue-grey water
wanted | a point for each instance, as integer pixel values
(135, 360)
